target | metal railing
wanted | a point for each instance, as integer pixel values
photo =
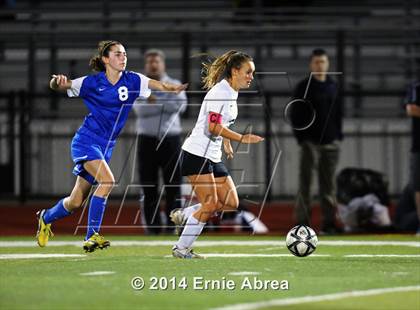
(20, 163)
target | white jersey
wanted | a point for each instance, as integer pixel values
(220, 99)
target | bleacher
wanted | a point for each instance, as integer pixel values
(376, 44)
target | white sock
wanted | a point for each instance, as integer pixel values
(192, 230)
(190, 210)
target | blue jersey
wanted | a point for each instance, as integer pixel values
(109, 105)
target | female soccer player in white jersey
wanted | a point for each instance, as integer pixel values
(109, 96)
(201, 155)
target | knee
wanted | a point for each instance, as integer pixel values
(105, 187)
(233, 202)
(108, 182)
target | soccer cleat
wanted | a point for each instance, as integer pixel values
(185, 253)
(96, 241)
(44, 230)
(177, 217)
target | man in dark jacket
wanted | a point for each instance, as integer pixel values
(318, 139)
(413, 111)
(159, 144)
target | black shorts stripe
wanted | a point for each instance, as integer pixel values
(192, 164)
(415, 171)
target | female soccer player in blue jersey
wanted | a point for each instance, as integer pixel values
(109, 96)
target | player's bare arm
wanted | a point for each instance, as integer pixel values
(163, 86)
(217, 129)
(228, 148)
(60, 82)
(413, 110)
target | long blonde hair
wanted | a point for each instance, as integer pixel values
(222, 67)
(96, 63)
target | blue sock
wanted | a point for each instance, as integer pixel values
(96, 214)
(55, 213)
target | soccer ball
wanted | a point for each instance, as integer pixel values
(301, 241)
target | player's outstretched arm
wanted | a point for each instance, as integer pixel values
(162, 86)
(228, 148)
(413, 110)
(218, 129)
(60, 82)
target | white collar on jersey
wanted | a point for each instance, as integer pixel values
(229, 87)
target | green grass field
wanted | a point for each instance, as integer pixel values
(336, 267)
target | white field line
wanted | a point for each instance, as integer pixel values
(382, 255)
(30, 256)
(210, 243)
(212, 255)
(97, 273)
(415, 244)
(317, 298)
(244, 273)
(248, 255)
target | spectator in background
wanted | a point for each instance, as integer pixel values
(159, 145)
(406, 218)
(318, 141)
(413, 110)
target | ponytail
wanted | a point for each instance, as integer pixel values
(96, 63)
(222, 67)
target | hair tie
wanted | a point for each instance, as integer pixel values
(105, 47)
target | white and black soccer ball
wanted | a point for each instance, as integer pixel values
(301, 240)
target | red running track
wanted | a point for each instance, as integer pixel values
(20, 219)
